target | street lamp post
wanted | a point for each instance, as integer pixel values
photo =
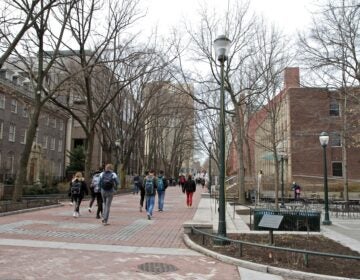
(324, 141)
(117, 145)
(282, 182)
(281, 151)
(222, 47)
(209, 181)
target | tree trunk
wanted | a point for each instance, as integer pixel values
(25, 155)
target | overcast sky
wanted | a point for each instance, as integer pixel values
(289, 15)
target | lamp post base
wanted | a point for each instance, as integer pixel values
(326, 222)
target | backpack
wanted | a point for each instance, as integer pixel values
(160, 184)
(149, 185)
(95, 183)
(75, 187)
(107, 181)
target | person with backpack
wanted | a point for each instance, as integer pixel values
(189, 188)
(161, 187)
(94, 182)
(150, 190)
(108, 185)
(77, 190)
(96, 193)
(142, 190)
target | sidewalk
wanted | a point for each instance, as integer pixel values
(344, 231)
(51, 244)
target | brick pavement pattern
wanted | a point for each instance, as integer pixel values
(51, 244)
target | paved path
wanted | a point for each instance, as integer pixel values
(51, 244)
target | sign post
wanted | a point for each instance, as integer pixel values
(271, 222)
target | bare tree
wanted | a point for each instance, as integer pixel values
(20, 13)
(37, 65)
(106, 63)
(331, 50)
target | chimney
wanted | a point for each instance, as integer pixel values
(291, 77)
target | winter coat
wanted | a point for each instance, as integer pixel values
(190, 186)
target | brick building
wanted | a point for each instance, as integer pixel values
(303, 114)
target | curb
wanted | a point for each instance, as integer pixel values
(30, 210)
(288, 273)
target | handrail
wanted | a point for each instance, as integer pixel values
(306, 253)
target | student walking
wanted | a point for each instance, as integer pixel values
(142, 191)
(161, 187)
(77, 190)
(190, 188)
(150, 190)
(108, 185)
(94, 184)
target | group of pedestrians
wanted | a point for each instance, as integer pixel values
(103, 185)
(105, 182)
(149, 186)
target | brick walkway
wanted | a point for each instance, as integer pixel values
(51, 244)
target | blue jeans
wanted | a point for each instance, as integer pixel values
(107, 197)
(150, 201)
(161, 196)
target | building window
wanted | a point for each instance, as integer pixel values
(12, 131)
(52, 144)
(334, 108)
(53, 122)
(1, 129)
(13, 106)
(10, 163)
(25, 112)
(60, 143)
(337, 169)
(23, 136)
(61, 125)
(335, 140)
(45, 141)
(2, 101)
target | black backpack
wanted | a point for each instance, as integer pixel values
(76, 187)
(108, 181)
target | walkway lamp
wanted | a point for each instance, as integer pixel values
(280, 150)
(210, 155)
(324, 141)
(222, 47)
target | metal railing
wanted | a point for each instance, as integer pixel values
(305, 253)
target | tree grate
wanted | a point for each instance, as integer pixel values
(157, 268)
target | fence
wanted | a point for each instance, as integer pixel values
(305, 253)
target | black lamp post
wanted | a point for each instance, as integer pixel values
(282, 153)
(282, 181)
(324, 141)
(222, 47)
(117, 145)
(209, 182)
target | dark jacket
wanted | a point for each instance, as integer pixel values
(164, 181)
(83, 190)
(190, 186)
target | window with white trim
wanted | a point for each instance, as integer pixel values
(23, 136)
(13, 107)
(25, 112)
(60, 144)
(52, 144)
(45, 142)
(335, 140)
(337, 169)
(2, 101)
(1, 129)
(12, 132)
